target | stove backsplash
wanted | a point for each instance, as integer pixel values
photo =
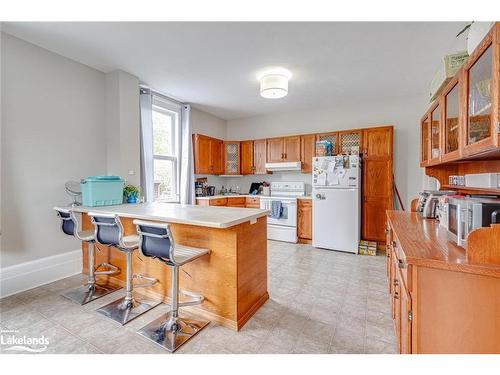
(244, 182)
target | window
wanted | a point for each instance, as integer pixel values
(166, 149)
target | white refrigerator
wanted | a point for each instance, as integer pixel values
(336, 196)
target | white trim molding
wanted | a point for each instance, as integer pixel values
(24, 276)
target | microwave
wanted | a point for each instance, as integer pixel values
(467, 214)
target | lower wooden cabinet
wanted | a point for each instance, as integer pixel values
(439, 304)
(252, 202)
(236, 202)
(241, 202)
(304, 219)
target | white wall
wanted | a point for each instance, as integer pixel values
(122, 126)
(53, 119)
(404, 113)
(207, 124)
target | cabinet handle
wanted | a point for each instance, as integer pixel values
(393, 243)
(401, 264)
(396, 295)
(396, 282)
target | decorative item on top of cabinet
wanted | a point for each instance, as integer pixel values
(304, 220)
(307, 151)
(332, 137)
(259, 156)
(208, 155)
(377, 181)
(350, 141)
(246, 158)
(231, 157)
(283, 149)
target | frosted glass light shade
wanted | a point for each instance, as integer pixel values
(274, 86)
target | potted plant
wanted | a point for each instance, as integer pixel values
(131, 193)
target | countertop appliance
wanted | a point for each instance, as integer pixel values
(336, 195)
(284, 228)
(466, 214)
(428, 202)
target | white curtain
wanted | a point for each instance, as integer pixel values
(146, 109)
(186, 186)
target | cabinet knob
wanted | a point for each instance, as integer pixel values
(401, 264)
(393, 243)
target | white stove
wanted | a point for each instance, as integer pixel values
(283, 228)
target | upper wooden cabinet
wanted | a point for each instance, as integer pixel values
(231, 157)
(435, 130)
(333, 137)
(259, 156)
(481, 75)
(208, 155)
(451, 120)
(307, 152)
(350, 141)
(465, 119)
(275, 153)
(246, 158)
(283, 149)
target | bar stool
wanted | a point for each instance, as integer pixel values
(93, 289)
(170, 330)
(109, 232)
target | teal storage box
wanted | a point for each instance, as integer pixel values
(102, 191)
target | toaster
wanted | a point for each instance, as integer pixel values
(429, 200)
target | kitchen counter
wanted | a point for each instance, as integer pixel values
(213, 217)
(244, 195)
(424, 243)
(232, 278)
(219, 196)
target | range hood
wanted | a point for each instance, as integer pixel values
(284, 166)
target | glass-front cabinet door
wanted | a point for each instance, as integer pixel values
(451, 125)
(480, 133)
(424, 141)
(435, 128)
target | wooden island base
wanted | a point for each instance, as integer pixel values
(233, 278)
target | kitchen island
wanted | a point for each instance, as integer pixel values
(233, 278)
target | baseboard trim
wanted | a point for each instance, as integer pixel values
(28, 275)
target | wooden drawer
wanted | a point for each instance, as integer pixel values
(236, 202)
(252, 202)
(403, 266)
(218, 202)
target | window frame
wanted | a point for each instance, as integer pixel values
(169, 108)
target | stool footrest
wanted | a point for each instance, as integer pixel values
(151, 281)
(196, 299)
(110, 269)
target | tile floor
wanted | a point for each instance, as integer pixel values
(320, 302)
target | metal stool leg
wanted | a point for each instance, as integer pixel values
(127, 308)
(171, 331)
(92, 290)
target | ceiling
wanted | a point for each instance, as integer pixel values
(214, 65)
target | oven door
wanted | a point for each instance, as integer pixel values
(289, 213)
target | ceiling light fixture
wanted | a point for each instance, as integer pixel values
(274, 83)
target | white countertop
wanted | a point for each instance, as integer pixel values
(211, 216)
